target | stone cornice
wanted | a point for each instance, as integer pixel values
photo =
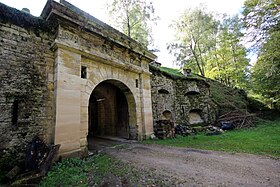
(66, 11)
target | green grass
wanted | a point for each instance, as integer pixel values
(171, 71)
(263, 140)
(82, 172)
(94, 170)
(226, 97)
(70, 172)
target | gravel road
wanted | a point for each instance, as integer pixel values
(193, 167)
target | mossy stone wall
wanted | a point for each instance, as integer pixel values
(181, 95)
(26, 79)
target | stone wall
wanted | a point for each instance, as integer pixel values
(187, 98)
(193, 96)
(106, 55)
(43, 92)
(26, 79)
(163, 95)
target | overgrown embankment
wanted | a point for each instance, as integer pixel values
(225, 97)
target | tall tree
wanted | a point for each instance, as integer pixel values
(210, 47)
(266, 71)
(228, 63)
(135, 18)
(195, 37)
(262, 19)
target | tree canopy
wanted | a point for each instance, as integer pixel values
(211, 47)
(195, 33)
(227, 62)
(261, 19)
(134, 18)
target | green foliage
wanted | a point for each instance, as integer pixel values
(94, 171)
(171, 71)
(227, 63)
(255, 102)
(135, 18)
(70, 172)
(266, 71)
(77, 172)
(176, 73)
(210, 47)
(263, 139)
(261, 19)
(226, 97)
(195, 34)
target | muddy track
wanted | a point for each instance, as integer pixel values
(192, 167)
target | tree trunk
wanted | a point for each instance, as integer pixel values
(196, 60)
(128, 24)
(201, 59)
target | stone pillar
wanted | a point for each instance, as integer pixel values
(146, 106)
(67, 93)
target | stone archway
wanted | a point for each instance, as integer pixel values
(84, 58)
(112, 111)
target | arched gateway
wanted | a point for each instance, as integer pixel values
(102, 81)
(112, 111)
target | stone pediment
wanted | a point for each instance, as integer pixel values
(69, 16)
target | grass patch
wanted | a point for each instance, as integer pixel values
(226, 97)
(99, 170)
(82, 172)
(171, 71)
(70, 172)
(263, 140)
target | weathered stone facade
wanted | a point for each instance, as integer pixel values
(186, 97)
(51, 67)
(26, 79)
(66, 76)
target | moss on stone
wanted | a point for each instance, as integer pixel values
(227, 98)
(175, 74)
(24, 20)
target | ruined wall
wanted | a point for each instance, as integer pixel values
(26, 79)
(163, 95)
(192, 99)
(187, 98)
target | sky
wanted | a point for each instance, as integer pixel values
(167, 10)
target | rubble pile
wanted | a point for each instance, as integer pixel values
(212, 130)
(232, 120)
(236, 119)
(184, 130)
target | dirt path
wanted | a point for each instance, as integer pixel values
(192, 167)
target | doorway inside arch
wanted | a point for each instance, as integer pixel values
(111, 111)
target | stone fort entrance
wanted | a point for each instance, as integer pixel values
(102, 81)
(67, 76)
